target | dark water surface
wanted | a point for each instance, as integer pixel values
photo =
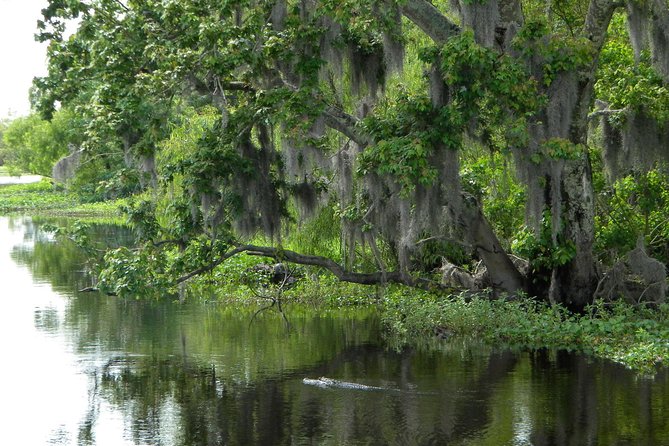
(82, 369)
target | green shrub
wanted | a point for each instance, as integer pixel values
(633, 336)
(635, 206)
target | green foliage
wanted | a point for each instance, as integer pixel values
(327, 292)
(476, 72)
(141, 217)
(624, 82)
(560, 148)
(153, 270)
(635, 337)
(216, 159)
(185, 134)
(33, 197)
(408, 130)
(104, 177)
(491, 180)
(31, 144)
(559, 52)
(319, 235)
(635, 206)
(236, 282)
(3, 127)
(431, 254)
(43, 198)
(545, 251)
(129, 273)
(494, 89)
(123, 182)
(406, 135)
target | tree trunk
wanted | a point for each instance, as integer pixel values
(466, 210)
(574, 283)
(504, 275)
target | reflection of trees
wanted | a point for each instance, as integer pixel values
(62, 264)
(198, 374)
(214, 409)
(598, 403)
(209, 408)
(47, 319)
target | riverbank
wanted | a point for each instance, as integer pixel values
(637, 337)
(22, 179)
(42, 198)
(634, 336)
(7, 177)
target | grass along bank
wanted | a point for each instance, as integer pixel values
(637, 337)
(42, 198)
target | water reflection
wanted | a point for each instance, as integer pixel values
(93, 370)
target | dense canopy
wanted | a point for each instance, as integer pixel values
(411, 135)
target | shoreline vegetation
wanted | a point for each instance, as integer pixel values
(43, 198)
(634, 336)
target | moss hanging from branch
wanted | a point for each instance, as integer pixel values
(633, 142)
(482, 17)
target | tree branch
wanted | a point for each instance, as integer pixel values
(323, 262)
(345, 124)
(236, 86)
(327, 263)
(125, 8)
(606, 112)
(212, 265)
(429, 19)
(334, 117)
(597, 21)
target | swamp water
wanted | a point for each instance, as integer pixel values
(84, 369)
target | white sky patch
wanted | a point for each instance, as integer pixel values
(21, 57)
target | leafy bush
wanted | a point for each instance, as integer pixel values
(491, 179)
(633, 336)
(635, 206)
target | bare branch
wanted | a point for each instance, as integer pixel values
(212, 265)
(597, 21)
(324, 262)
(168, 242)
(236, 86)
(125, 8)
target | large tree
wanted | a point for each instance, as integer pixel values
(322, 100)
(31, 144)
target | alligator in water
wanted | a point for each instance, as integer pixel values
(329, 383)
